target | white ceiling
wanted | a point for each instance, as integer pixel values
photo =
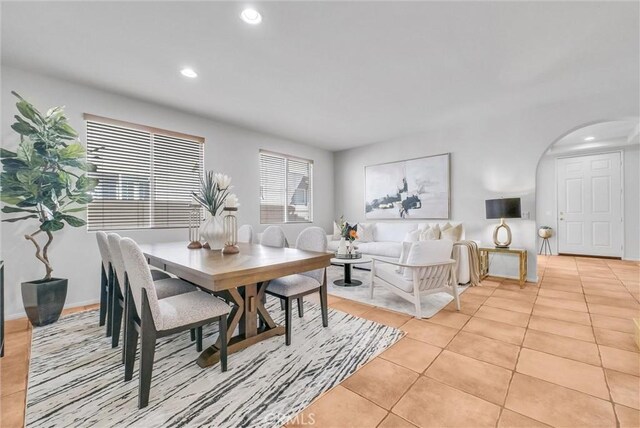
(332, 74)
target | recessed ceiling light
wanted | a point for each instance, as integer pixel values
(189, 72)
(251, 16)
(589, 138)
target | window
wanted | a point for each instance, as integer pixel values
(146, 175)
(285, 189)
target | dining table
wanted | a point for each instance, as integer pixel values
(240, 279)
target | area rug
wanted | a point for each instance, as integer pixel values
(383, 298)
(76, 378)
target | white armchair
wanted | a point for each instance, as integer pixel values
(425, 267)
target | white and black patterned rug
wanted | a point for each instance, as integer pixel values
(76, 378)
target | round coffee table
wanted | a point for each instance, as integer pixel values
(347, 281)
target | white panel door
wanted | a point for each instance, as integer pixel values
(590, 205)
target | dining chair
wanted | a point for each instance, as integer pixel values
(427, 269)
(245, 233)
(297, 285)
(166, 286)
(273, 236)
(106, 281)
(162, 317)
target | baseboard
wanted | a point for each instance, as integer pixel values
(23, 314)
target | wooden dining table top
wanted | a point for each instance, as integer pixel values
(215, 271)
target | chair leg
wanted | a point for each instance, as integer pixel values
(199, 339)
(110, 281)
(300, 307)
(372, 276)
(130, 342)
(193, 334)
(103, 295)
(287, 323)
(222, 326)
(116, 322)
(455, 294)
(147, 352)
(323, 301)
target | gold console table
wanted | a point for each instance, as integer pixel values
(522, 256)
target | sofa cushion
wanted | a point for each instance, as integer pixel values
(412, 236)
(388, 273)
(426, 252)
(394, 232)
(384, 249)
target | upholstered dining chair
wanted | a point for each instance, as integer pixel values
(426, 267)
(245, 233)
(166, 286)
(162, 317)
(106, 281)
(297, 285)
(273, 236)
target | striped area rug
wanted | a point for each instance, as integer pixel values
(76, 378)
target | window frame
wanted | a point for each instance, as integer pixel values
(287, 158)
(153, 133)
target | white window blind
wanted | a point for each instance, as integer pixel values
(285, 189)
(145, 175)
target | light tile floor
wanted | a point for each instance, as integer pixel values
(557, 353)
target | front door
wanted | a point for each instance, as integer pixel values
(590, 205)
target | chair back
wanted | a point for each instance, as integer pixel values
(117, 261)
(313, 239)
(273, 236)
(103, 246)
(139, 276)
(245, 233)
(435, 256)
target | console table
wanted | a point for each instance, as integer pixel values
(522, 258)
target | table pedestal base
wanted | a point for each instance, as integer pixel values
(347, 281)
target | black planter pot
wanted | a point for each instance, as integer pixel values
(44, 299)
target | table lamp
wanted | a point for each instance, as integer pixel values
(502, 208)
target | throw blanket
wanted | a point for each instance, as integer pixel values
(474, 260)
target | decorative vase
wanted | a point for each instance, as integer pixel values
(342, 246)
(44, 299)
(212, 231)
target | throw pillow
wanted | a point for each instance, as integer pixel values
(365, 232)
(446, 226)
(337, 233)
(453, 233)
(412, 236)
(430, 233)
(404, 255)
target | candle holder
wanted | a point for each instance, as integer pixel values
(230, 231)
(194, 227)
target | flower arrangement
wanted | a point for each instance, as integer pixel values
(214, 191)
(347, 231)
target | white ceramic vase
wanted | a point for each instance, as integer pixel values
(212, 231)
(342, 246)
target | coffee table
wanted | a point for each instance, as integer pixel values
(347, 281)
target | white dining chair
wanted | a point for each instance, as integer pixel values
(301, 284)
(106, 281)
(162, 317)
(273, 236)
(245, 233)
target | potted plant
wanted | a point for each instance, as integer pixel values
(545, 232)
(214, 190)
(44, 181)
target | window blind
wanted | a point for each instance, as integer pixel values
(145, 178)
(285, 189)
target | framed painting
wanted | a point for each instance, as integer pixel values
(415, 188)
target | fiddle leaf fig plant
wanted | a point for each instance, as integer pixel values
(45, 180)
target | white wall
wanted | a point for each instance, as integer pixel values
(228, 149)
(546, 196)
(495, 147)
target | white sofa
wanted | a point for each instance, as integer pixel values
(387, 242)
